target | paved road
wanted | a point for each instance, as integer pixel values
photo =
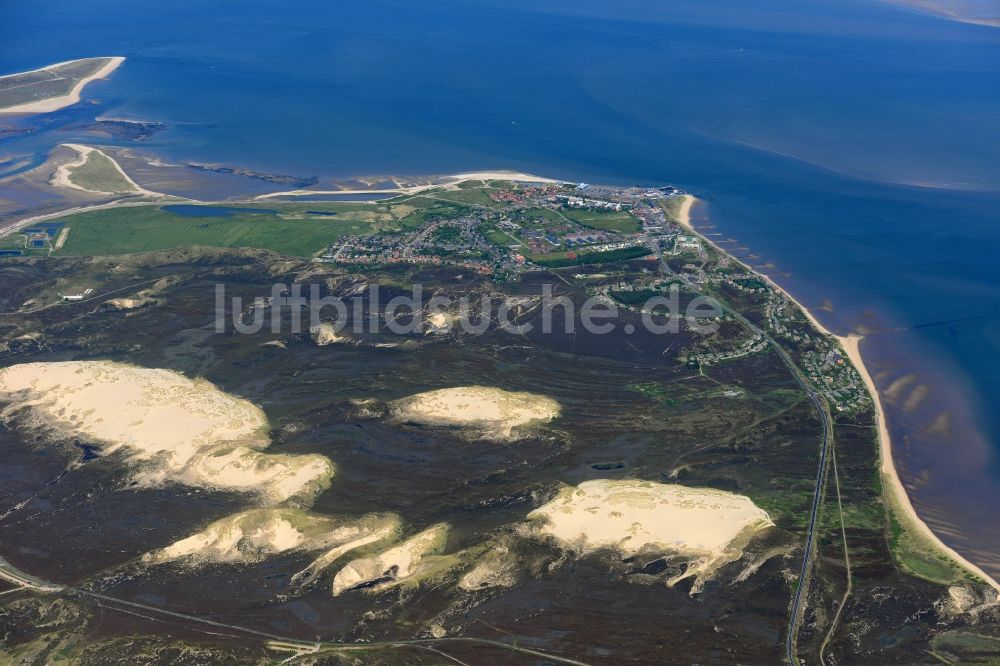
(808, 550)
(12, 574)
(24, 580)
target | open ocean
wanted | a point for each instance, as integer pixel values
(853, 145)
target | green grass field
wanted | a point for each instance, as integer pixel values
(149, 228)
(436, 211)
(478, 197)
(295, 228)
(621, 222)
(99, 174)
(562, 259)
(539, 217)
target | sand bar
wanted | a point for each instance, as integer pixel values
(72, 97)
(447, 182)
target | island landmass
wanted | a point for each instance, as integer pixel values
(53, 87)
(765, 437)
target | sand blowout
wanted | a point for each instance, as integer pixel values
(169, 427)
(497, 567)
(411, 558)
(326, 334)
(481, 411)
(709, 527)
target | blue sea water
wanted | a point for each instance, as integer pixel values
(851, 145)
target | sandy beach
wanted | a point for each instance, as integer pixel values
(448, 182)
(890, 476)
(72, 97)
(891, 481)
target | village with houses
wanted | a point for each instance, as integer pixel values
(628, 247)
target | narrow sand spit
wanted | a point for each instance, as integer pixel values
(170, 427)
(483, 411)
(251, 536)
(710, 527)
(70, 98)
(447, 183)
(405, 560)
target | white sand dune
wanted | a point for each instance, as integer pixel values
(439, 322)
(483, 411)
(326, 334)
(130, 303)
(393, 565)
(251, 536)
(365, 532)
(170, 428)
(710, 527)
(275, 476)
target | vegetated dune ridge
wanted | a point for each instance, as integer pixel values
(170, 428)
(479, 410)
(253, 535)
(497, 567)
(72, 96)
(114, 181)
(711, 527)
(413, 557)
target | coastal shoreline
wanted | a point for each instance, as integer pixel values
(70, 98)
(61, 177)
(894, 488)
(450, 181)
(453, 181)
